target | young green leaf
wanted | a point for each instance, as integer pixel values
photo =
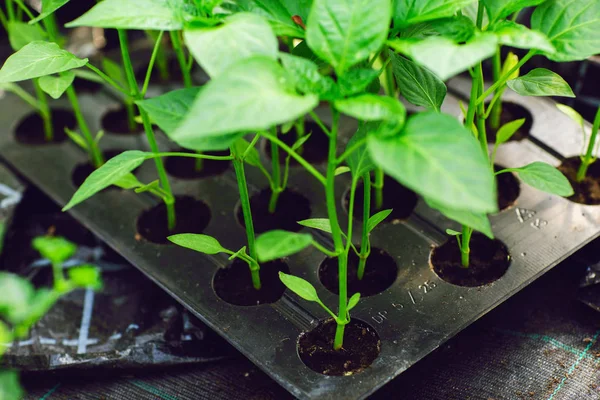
(38, 59)
(129, 181)
(322, 224)
(516, 35)
(571, 26)
(377, 218)
(353, 301)
(478, 221)
(541, 82)
(249, 34)
(452, 232)
(20, 34)
(48, 8)
(54, 248)
(55, 86)
(546, 178)
(16, 295)
(238, 253)
(277, 244)
(10, 388)
(160, 15)
(571, 113)
(458, 28)
(299, 286)
(306, 77)
(5, 339)
(258, 96)
(252, 157)
(341, 170)
(85, 276)
(498, 9)
(359, 161)
(345, 32)
(356, 81)
(410, 12)
(417, 84)
(149, 187)
(76, 138)
(371, 107)
(279, 13)
(507, 130)
(108, 174)
(423, 157)
(168, 110)
(201, 243)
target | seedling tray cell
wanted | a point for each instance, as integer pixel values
(413, 317)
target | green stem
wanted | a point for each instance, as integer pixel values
(480, 113)
(94, 151)
(497, 106)
(365, 247)
(52, 29)
(59, 276)
(199, 164)
(44, 110)
(193, 155)
(276, 174)
(589, 155)
(10, 10)
(151, 63)
(135, 90)
(25, 96)
(378, 186)
(108, 80)
(465, 248)
(130, 110)
(3, 20)
(240, 175)
(176, 40)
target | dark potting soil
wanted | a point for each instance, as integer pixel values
(82, 171)
(489, 261)
(508, 188)
(380, 273)
(314, 150)
(30, 130)
(361, 347)
(234, 283)
(511, 112)
(115, 121)
(395, 196)
(588, 190)
(185, 167)
(192, 216)
(291, 208)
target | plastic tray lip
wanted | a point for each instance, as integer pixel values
(400, 315)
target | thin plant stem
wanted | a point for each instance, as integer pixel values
(378, 186)
(193, 155)
(10, 10)
(588, 159)
(185, 71)
(59, 276)
(94, 151)
(276, 174)
(480, 113)
(504, 78)
(151, 63)
(108, 80)
(465, 247)
(365, 246)
(162, 174)
(3, 20)
(44, 110)
(238, 165)
(496, 108)
(198, 164)
(316, 118)
(24, 95)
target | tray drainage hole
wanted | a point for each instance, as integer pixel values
(189, 168)
(30, 130)
(380, 273)
(395, 196)
(509, 188)
(588, 190)
(83, 170)
(115, 121)
(314, 149)
(291, 208)
(489, 261)
(510, 112)
(192, 215)
(233, 284)
(361, 347)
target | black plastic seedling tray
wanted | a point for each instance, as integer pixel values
(413, 317)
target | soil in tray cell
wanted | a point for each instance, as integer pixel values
(511, 112)
(400, 199)
(360, 348)
(82, 171)
(192, 216)
(588, 190)
(314, 150)
(233, 284)
(508, 188)
(30, 130)
(291, 208)
(115, 121)
(380, 273)
(188, 168)
(489, 260)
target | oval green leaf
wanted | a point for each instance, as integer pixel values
(409, 12)
(322, 224)
(478, 221)
(200, 243)
(541, 82)
(378, 218)
(353, 301)
(168, 110)
(371, 107)
(299, 286)
(507, 130)
(516, 35)
(498, 9)
(85, 276)
(21, 34)
(277, 244)
(55, 86)
(546, 178)
(54, 248)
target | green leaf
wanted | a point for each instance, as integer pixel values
(353, 301)
(452, 232)
(38, 59)
(16, 295)
(160, 15)
(378, 218)
(445, 58)
(341, 170)
(409, 12)
(478, 221)
(458, 28)
(85, 276)
(417, 84)
(150, 187)
(20, 34)
(114, 71)
(245, 34)
(201, 243)
(423, 158)
(108, 174)
(507, 130)
(5, 339)
(55, 86)
(129, 181)
(300, 286)
(516, 35)
(322, 224)
(574, 115)
(88, 75)
(356, 81)
(252, 95)
(168, 110)
(541, 82)
(306, 77)
(371, 107)
(345, 32)
(239, 253)
(54, 248)
(48, 8)
(359, 160)
(279, 13)
(572, 27)
(499, 9)
(277, 244)
(10, 389)
(76, 138)
(252, 157)
(546, 178)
